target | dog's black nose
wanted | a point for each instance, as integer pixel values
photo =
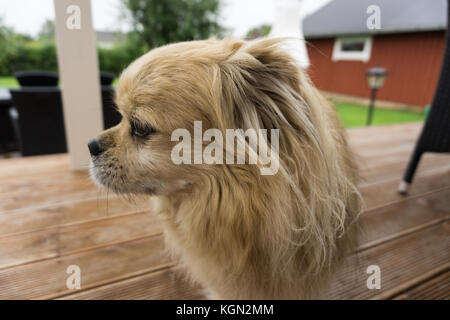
(95, 147)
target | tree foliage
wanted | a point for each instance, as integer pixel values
(257, 32)
(158, 22)
(47, 31)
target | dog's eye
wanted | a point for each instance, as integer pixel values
(141, 131)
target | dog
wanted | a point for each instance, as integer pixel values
(238, 233)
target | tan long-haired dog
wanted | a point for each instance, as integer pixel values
(240, 234)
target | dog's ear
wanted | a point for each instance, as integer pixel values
(270, 59)
(261, 84)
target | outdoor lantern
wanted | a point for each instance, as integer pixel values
(375, 79)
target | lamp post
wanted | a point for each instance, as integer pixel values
(375, 79)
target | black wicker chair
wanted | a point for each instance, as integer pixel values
(8, 142)
(7, 137)
(37, 78)
(106, 78)
(37, 117)
(435, 136)
(111, 117)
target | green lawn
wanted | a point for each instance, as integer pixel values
(351, 115)
(8, 82)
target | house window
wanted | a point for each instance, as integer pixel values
(357, 49)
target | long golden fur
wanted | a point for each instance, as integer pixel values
(240, 234)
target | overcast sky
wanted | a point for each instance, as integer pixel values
(27, 16)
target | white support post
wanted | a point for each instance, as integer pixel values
(80, 79)
(288, 25)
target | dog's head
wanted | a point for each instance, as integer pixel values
(225, 84)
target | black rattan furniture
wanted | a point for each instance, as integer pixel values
(8, 141)
(111, 117)
(106, 78)
(37, 78)
(37, 116)
(435, 136)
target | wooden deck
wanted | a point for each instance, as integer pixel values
(51, 218)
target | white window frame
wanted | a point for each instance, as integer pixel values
(363, 55)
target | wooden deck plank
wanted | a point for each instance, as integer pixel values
(394, 152)
(400, 260)
(382, 172)
(49, 243)
(15, 184)
(29, 166)
(63, 213)
(384, 133)
(385, 192)
(437, 288)
(411, 214)
(47, 278)
(29, 197)
(166, 284)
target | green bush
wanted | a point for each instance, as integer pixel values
(41, 55)
(32, 56)
(117, 58)
(20, 52)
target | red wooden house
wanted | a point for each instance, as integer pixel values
(409, 44)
